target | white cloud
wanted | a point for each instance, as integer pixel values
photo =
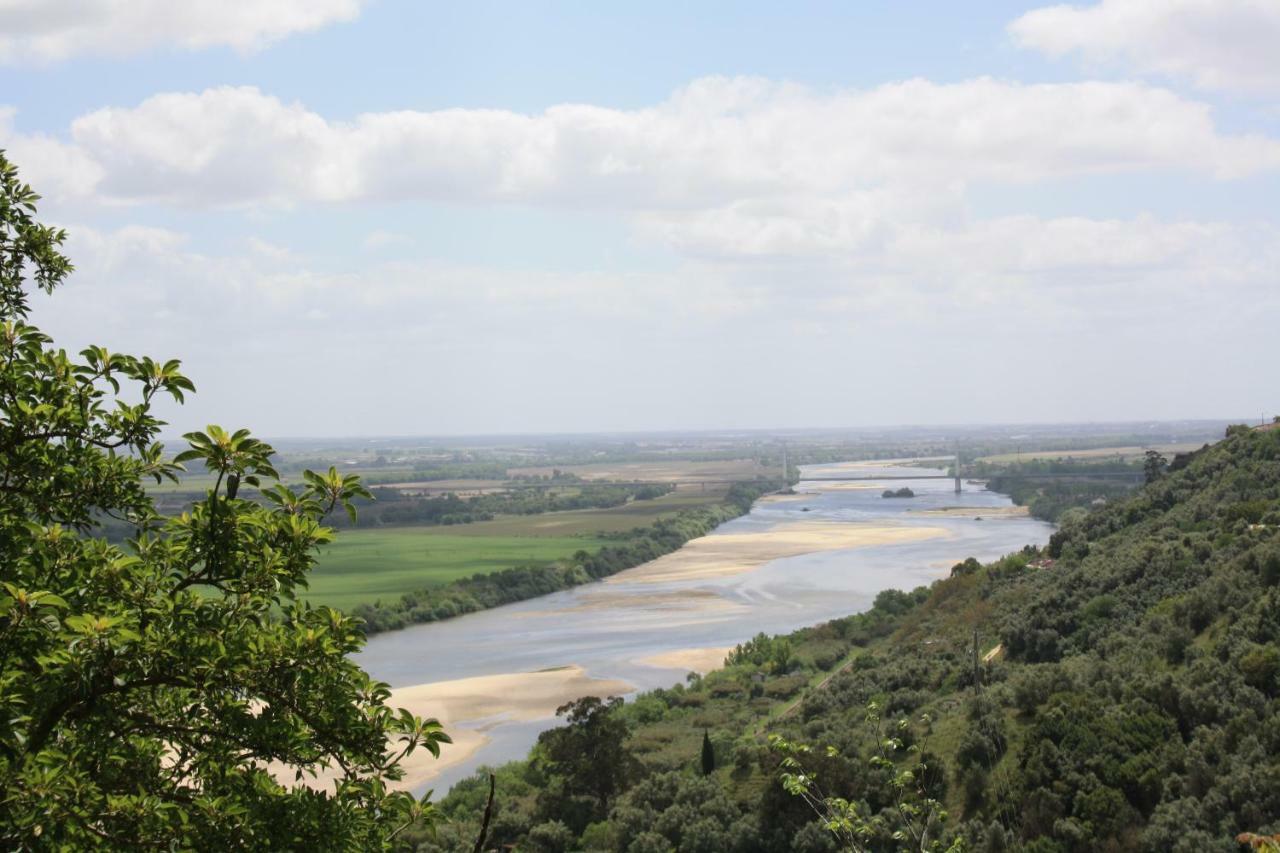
(1231, 45)
(55, 168)
(53, 30)
(714, 144)
(724, 168)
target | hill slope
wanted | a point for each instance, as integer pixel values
(1126, 700)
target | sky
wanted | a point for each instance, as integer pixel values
(385, 217)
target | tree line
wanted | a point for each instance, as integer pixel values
(392, 507)
(485, 590)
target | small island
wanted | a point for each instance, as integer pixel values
(904, 492)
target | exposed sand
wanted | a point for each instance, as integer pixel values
(703, 602)
(700, 661)
(733, 553)
(854, 466)
(480, 703)
(978, 511)
(846, 487)
(515, 695)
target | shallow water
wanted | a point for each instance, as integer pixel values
(607, 634)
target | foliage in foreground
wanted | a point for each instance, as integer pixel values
(156, 696)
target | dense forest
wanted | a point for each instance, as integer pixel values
(1116, 690)
(519, 583)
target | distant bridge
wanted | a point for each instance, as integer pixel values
(704, 482)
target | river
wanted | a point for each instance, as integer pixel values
(608, 628)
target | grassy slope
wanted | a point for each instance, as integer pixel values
(366, 565)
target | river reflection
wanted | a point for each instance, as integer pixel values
(608, 627)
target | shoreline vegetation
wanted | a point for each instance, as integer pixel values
(520, 583)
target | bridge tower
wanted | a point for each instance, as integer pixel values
(957, 469)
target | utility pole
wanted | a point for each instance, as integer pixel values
(786, 469)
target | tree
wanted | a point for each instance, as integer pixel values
(590, 753)
(1154, 466)
(173, 692)
(912, 820)
(708, 755)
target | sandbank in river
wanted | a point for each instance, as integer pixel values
(467, 707)
(733, 553)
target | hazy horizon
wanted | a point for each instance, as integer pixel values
(497, 219)
(1095, 428)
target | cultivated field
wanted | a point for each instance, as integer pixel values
(365, 565)
(663, 470)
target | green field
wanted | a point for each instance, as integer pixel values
(365, 565)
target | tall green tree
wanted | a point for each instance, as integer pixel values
(173, 692)
(1154, 466)
(590, 750)
(708, 754)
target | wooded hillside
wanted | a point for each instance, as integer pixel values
(1126, 699)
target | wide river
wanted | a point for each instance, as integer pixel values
(608, 628)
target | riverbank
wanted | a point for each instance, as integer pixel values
(700, 661)
(521, 583)
(649, 626)
(469, 708)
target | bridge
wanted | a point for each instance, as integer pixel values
(703, 482)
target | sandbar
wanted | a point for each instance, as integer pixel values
(857, 465)
(723, 554)
(845, 487)
(978, 511)
(700, 661)
(468, 707)
(702, 602)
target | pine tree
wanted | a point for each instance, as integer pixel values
(708, 755)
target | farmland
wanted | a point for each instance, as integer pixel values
(662, 469)
(367, 565)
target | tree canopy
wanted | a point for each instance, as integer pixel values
(172, 690)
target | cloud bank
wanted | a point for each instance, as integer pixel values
(1225, 45)
(44, 31)
(716, 141)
